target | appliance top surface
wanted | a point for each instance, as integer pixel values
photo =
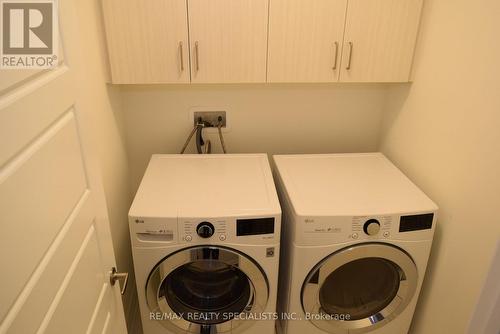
(206, 186)
(348, 185)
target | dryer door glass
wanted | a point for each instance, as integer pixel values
(359, 288)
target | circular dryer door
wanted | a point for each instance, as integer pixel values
(359, 288)
(207, 289)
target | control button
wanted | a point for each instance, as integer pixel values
(270, 252)
(188, 238)
(371, 227)
(205, 230)
(222, 237)
(354, 236)
(386, 234)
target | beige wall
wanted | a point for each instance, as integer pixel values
(263, 118)
(444, 132)
(108, 133)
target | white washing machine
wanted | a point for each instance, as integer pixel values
(356, 239)
(205, 233)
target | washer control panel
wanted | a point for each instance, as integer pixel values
(203, 230)
(231, 230)
(151, 232)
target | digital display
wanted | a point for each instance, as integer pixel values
(416, 222)
(254, 226)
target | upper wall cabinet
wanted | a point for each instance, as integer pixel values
(228, 40)
(147, 40)
(305, 40)
(379, 40)
(238, 41)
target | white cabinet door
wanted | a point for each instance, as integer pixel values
(379, 40)
(305, 40)
(147, 40)
(55, 243)
(228, 40)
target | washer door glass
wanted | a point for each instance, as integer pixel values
(359, 288)
(207, 289)
(210, 291)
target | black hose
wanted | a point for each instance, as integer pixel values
(199, 139)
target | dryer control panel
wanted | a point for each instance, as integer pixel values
(405, 227)
(371, 226)
(333, 230)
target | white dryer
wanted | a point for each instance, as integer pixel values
(205, 233)
(356, 239)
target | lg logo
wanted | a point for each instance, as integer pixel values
(28, 28)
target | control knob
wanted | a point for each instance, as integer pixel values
(371, 227)
(205, 230)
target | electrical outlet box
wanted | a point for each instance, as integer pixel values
(211, 119)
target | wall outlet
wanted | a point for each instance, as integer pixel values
(211, 119)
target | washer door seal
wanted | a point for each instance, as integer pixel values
(359, 288)
(207, 288)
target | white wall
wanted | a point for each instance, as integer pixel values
(263, 118)
(108, 133)
(443, 131)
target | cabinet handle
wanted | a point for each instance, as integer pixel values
(181, 55)
(197, 56)
(336, 56)
(348, 67)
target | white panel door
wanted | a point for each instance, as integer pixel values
(380, 40)
(147, 40)
(228, 40)
(55, 244)
(305, 40)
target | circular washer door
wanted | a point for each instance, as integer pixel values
(207, 289)
(359, 288)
